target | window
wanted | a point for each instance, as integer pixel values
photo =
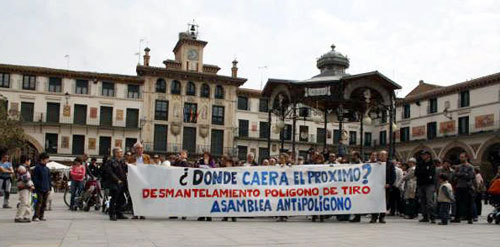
(189, 139)
(263, 130)
(129, 144)
(384, 117)
(243, 128)
(431, 130)
(4, 80)
(29, 82)
(320, 135)
(303, 133)
(242, 103)
(175, 87)
(106, 116)
(190, 88)
(161, 86)
(404, 134)
(80, 114)
(219, 92)
(242, 152)
(78, 145)
(133, 91)
(108, 89)
(205, 91)
(352, 138)
(53, 112)
(464, 98)
(218, 115)
(304, 112)
(336, 136)
(190, 112)
(287, 132)
(463, 125)
(368, 139)
(27, 111)
(132, 120)
(161, 110)
(55, 84)
(433, 105)
(104, 145)
(383, 138)
(217, 142)
(82, 87)
(160, 138)
(263, 105)
(51, 143)
(406, 111)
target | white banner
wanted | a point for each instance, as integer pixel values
(158, 191)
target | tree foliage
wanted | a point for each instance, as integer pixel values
(11, 133)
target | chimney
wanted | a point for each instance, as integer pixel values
(146, 56)
(234, 69)
(420, 82)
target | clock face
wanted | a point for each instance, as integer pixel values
(192, 54)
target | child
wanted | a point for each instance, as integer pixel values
(445, 198)
(77, 175)
(24, 186)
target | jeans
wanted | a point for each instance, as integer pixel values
(444, 211)
(5, 186)
(41, 204)
(464, 204)
(76, 191)
(426, 196)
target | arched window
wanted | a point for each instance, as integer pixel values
(161, 86)
(175, 87)
(219, 92)
(190, 88)
(205, 90)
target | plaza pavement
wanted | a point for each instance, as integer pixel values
(66, 228)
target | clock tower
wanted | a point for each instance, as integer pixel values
(189, 50)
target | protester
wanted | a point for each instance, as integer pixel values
(156, 160)
(250, 160)
(24, 186)
(206, 161)
(272, 161)
(444, 198)
(41, 180)
(116, 180)
(164, 161)
(410, 190)
(182, 160)
(6, 172)
(300, 160)
(390, 177)
(77, 174)
(425, 173)
(92, 169)
(139, 156)
(373, 157)
(265, 162)
(465, 189)
(332, 159)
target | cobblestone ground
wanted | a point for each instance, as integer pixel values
(66, 228)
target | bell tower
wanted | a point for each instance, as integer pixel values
(189, 49)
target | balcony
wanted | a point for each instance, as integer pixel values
(175, 148)
(40, 118)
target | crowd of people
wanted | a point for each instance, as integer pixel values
(436, 189)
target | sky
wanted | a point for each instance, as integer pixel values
(440, 42)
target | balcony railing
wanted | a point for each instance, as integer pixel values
(175, 148)
(41, 118)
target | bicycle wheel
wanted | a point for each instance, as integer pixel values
(67, 197)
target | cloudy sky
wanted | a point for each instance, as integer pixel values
(441, 42)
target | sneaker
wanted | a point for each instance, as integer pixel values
(18, 220)
(6, 206)
(35, 219)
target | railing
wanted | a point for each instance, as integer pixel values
(40, 117)
(176, 148)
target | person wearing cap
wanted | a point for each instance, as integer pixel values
(426, 187)
(410, 190)
(139, 156)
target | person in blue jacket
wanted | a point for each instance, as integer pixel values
(41, 180)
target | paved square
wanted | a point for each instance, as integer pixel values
(66, 228)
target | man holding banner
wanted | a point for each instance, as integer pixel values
(390, 177)
(115, 178)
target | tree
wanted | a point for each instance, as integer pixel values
(11, 133)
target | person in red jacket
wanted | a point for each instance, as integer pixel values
(77, 175)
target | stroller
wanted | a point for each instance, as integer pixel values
(494, 198)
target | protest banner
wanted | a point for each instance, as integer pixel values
(158, 191)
